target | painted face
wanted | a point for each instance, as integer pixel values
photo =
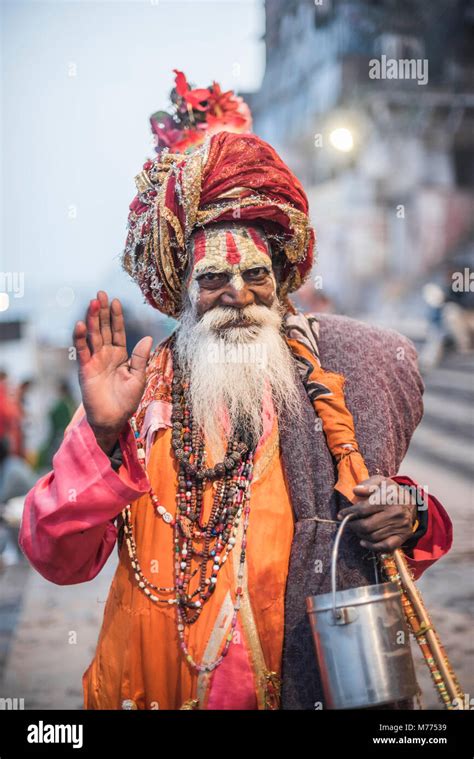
(232, 266)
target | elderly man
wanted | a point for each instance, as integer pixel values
(206, 459)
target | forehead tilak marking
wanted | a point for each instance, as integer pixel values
(232, 255)
(215, 249)
(228, 249)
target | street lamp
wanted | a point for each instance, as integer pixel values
(342, 139)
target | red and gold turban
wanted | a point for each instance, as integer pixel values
(230, 177)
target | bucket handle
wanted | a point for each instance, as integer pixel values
(337, 612)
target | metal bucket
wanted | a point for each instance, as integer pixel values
(362, 643)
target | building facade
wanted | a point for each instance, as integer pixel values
(371, 103)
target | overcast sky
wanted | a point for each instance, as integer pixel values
(79, 82)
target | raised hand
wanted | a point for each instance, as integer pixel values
(111, 383)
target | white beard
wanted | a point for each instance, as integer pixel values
(230, 367)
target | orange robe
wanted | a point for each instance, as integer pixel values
(138, 655)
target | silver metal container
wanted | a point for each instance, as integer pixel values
(362, 643)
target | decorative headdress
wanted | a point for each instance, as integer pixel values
(230, 176)
(197, 114)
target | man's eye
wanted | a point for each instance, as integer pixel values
(213, 278)
(258, 272)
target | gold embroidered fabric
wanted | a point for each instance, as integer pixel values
(190, 704)
(178, 194)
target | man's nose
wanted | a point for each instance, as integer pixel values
(237, 298)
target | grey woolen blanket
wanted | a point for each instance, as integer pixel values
(384, 393)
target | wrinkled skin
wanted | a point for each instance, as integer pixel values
(381, 526)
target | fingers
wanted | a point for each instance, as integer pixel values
(367, 487)
(79, 337)
(384, 546)
(103, 325)
(378, 530)
(385, 532)
(367, 525)
(361, 510)
(104, 317)
(118, 324)
(379, 518)
(393, 518)
(372, 497)
(94, 334)
(140, 355)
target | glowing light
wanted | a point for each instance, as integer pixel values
(4, 301)
(342, 139)
(433, 295)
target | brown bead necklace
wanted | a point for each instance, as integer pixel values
(208, 542)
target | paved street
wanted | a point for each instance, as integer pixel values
(54, 638)
(442, 456)
(48, 633)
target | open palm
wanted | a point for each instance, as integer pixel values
(111, 383)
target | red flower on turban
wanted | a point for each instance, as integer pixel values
(196, 114)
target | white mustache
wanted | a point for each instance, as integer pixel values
(221, 317)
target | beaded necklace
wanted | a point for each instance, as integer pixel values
(210, 542)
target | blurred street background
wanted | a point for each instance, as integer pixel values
(386, 155)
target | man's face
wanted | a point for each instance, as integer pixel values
(230, 341)
(232, 268)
